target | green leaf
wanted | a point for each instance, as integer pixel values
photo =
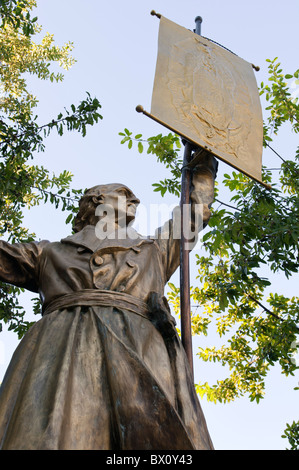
(69, 218)
(140, 147)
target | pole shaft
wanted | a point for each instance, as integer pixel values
(184, 262)
(198, 21)
(186, 332)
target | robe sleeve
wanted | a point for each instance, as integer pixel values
(201, 198)
(19, 264)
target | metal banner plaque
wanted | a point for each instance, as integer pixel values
(209, 96)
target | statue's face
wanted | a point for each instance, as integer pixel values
(123, 202)
(118, 199)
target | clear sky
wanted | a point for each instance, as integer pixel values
(116, 47)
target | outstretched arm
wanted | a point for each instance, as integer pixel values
(19, 264)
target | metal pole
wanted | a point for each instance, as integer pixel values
(184, 261)
(198, 21)
(186, 334)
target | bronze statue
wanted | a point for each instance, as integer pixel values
(104, 367)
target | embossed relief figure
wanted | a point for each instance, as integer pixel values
(209, 96)
(213, 99)
(104, 367)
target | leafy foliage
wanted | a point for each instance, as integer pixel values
(282, 106)
(292, 434)
(23, 183)
(17, 14)
(166, 149)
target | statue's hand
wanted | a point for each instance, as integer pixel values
(207, 163)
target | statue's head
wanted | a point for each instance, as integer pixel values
(115, 198)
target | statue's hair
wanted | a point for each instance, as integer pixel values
(86, 210)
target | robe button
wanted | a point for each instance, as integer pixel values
(98, 260)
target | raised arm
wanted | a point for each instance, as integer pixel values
(201, 197)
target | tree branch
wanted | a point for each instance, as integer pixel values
(266, 309)
(228, 205)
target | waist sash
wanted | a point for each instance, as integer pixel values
(95, 297)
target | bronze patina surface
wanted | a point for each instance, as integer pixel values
(104, 367)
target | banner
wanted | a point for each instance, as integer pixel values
(209, 96)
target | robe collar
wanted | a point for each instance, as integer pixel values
(122, 239)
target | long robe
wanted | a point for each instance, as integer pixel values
(98, 375)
